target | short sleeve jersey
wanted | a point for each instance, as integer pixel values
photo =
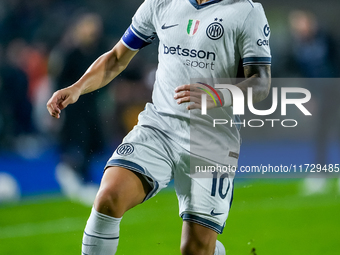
(204, 41)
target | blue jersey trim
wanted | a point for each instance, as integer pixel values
(136, 168)
(232, 195)
(200, 6)
(145, 37)
(132, 41)
(251, 3)
(204, 222)
(257, 61)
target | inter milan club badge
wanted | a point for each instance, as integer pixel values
(192, 26)
(215, 30)
(125, 149)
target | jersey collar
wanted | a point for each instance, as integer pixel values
(200, 6)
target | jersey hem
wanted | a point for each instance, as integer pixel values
(257, 61)
(204, 222)
(136, 168)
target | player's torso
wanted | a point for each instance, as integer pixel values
(201, 42)
(194, 44)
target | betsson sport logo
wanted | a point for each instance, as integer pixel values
(197, 58)
(239, 105)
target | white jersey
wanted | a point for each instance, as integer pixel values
(198, 42)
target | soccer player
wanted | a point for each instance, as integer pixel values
(198, 40)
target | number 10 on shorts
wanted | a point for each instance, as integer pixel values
(218, 183)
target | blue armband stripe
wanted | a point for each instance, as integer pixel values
(257, 61)
(133, 41)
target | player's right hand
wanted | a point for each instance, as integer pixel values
(61, 99)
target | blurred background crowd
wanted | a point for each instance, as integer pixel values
(48, 44)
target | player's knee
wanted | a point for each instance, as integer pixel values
(109, 201)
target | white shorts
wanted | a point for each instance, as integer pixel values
(148, 151)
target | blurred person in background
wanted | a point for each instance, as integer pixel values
(15, 104)
(130, 94)
(314, 52)
(81, 133)
(314, 55)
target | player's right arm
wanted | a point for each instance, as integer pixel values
(99, 74)
(112, 63)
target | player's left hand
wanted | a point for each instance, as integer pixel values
(193, 93)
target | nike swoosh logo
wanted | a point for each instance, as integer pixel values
(212, 213)
(166, 27)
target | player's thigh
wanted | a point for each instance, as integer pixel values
(138, 169)
(120, 190)
(197, 239)
(204, 198)
(146, 151)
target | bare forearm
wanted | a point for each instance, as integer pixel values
(104, 69)
(99, 74)
(259, 79)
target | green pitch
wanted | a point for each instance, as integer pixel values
(267, 217)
